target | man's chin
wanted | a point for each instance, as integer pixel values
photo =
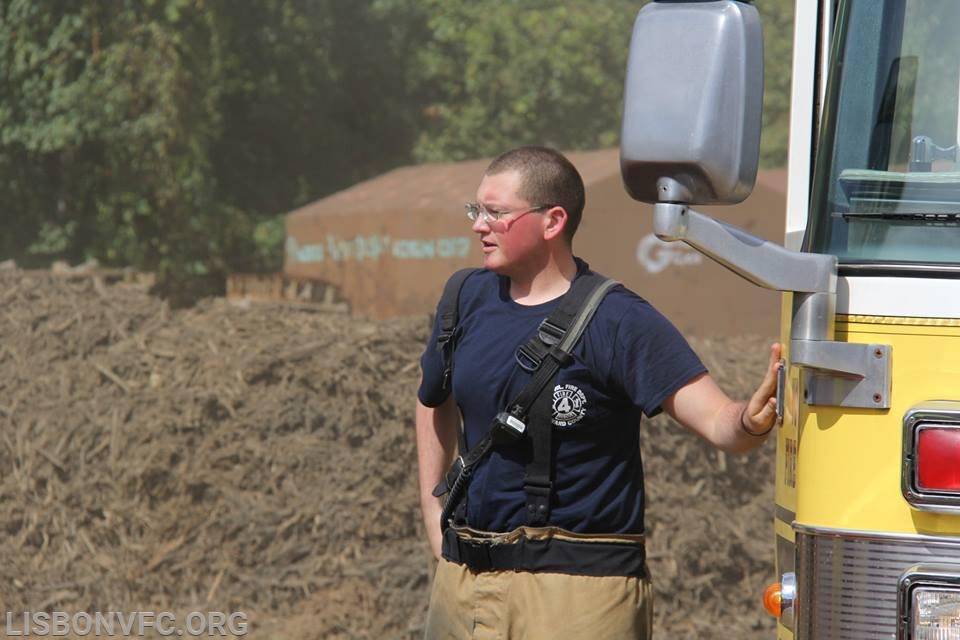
(492, 263)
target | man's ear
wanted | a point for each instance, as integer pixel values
(555, 222)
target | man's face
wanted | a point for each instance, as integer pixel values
(513, 243)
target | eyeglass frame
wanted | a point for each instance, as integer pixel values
(476, 211)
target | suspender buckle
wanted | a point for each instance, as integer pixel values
(538, 492)
(447, 339)
(527, 359)
(549, 333)
(508, 428)
(453, 474)
(530, 355)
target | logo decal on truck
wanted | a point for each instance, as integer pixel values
(655, 255)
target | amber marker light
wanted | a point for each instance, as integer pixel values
(773, 599)
(779, 599)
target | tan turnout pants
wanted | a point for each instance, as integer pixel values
(520, 605)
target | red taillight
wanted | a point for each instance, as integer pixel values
(938, 458)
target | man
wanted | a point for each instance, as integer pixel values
(629, 361)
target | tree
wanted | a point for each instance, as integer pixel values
(169, 135)
(111, 108)
(499, 74)
(777, 18)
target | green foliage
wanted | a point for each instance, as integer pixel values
(777, 18)
(312, 101)
(170, 135)
(501, 74)
(105, 106)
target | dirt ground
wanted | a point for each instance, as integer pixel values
(261, 458)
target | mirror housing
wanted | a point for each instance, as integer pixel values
(692, 103)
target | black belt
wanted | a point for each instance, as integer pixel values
(551, 555)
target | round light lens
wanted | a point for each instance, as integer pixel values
(773, 599)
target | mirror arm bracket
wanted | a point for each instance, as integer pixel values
(835, 373)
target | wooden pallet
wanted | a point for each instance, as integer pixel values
(108, 276)
(278, 287)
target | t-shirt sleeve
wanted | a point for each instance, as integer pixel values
(432, 392)
(654, 360)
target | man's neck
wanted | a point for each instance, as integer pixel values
(551, 281)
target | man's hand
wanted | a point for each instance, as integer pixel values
(760, 412)
(431, 519)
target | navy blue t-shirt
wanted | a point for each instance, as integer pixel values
(628, 361)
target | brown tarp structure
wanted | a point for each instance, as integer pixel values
(388, 245)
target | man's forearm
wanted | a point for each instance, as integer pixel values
(737, 433)
(436, 447)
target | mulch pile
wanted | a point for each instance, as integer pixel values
(261, 459)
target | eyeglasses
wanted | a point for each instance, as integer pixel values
(476, 210)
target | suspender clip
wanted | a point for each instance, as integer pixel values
(508, 428)
(549, 333)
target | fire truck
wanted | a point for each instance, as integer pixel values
(867, 514)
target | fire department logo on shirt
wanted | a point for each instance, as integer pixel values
(569, 405)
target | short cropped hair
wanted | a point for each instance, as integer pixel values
(547, 178)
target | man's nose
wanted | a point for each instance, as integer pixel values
(480, 225)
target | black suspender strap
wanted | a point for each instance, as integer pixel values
(542, 356)
(567, 323)
(448, 318)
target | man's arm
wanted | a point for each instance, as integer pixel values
(436, 447)
(705, 409)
